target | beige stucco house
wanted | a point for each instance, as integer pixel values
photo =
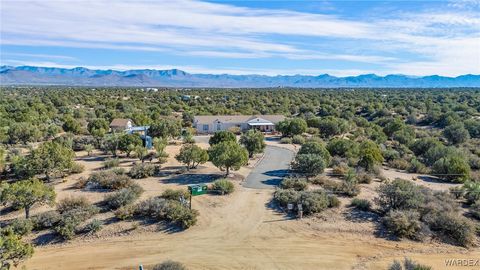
(213, 123)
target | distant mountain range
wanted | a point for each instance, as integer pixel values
(29, 75)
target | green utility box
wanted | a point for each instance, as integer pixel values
(197, 189)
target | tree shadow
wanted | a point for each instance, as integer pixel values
(93, 159)
(47, 239)
(278, 173)
(188, 179)
(359, 216)
(435, 180)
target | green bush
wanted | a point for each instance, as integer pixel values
(72, 203)
(399, 194)
(361, 204)
(77, 168)
(286, 140)
(363, 177)
(111, 163)
(452, 226)
(141, 170)
(475, 209)
(286, 196)
(109, 180)
(400, 164)
(181, 215)
(298, 139)
(66, 227)
(294, 183)
(333, 201)
(404, 223)
(169, 265)
(46, 220)
(124, 196)
(22, 226)
(93, 227)
(408, 264)
(126, 212)
(223, 186)
(312, 201)
(175, 194)
(471, 191)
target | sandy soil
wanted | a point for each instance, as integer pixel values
(239, 231)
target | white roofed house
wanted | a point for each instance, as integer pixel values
(213, 123)
(121, 124)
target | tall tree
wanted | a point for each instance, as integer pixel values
(192, 155)
(126, 141)
(309, 164)
(165, 128)
(254, 141)
(222, 136)
(370, 155)
(50, 158)
(12, 249)
(228, 155)
(27, 193)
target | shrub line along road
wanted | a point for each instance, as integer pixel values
(269, 172)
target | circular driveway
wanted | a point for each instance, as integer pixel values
(272, 168)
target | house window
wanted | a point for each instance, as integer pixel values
(219, 126)
(205, 127)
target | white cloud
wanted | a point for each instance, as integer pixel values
(437, 41)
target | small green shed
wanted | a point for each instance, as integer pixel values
(198, 189)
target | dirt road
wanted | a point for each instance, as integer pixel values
(240, 232)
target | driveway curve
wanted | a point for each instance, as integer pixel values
(271, 169)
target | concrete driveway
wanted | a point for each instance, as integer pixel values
(271, 169)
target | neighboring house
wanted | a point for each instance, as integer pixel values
(213, 123)
(121, 124)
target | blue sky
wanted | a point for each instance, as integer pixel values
(246, 37)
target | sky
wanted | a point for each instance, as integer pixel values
(341, 38)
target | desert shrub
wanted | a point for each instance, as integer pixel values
(175, 194)
(340, 169)
(181, 215)
(286, 196)
(72, 203)
(435, 201)
(333, 201)
(66, 227)
(457, 192)
(400, 164)
(475, 209)
(471, 191)
(109, 180)
(417, 167)
(286, 140)
(361, 204)
(22, 226)
(298, 139)
(319, 180)
(313, 201)
(77, 168)
(404, 223)
(294, 183)
(169, 265)
(152, 208)
(223, 186)
(364, 177)
(408, 264)
(126, 212)
(111, 163)
(124, 196)
(141, 170)
(76, 210)
(81, 183)
(80, 142)
(399, 194)
(350, 189)
(452, 226)
(93, 227)
(46, 220)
